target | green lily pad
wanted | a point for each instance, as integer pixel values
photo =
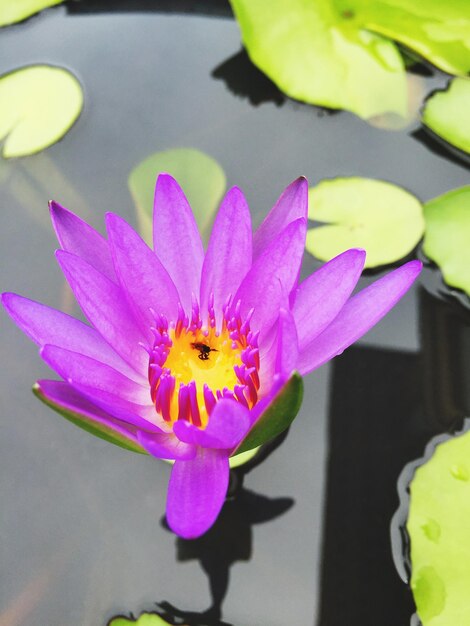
(200, 176)
(12, 11)
(383, 219)
(146, 619)
(38, 105)
(278, 416)
(447, 236)
(436, 30)
(84, 422)
(320, 55)
(447, 113)
(440, 535)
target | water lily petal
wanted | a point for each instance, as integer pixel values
(287, 345)
(140, 272)
(64, 395)
(272, 276)
(166, 446)
(104, 386)
(228, 424)
(45, 325)
(105, 305)
(228, 256)
(196, 492)
(322, 295)
(78, 237)
(176, 238)
(292, 205)
(358, 315)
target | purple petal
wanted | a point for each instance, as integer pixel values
(166, 446)
(142, 275)
(77, 237)
(228, 424)
(287, 345)
(61, 393)
(176, 238)
(196, 492)
(292, 205)
(104, 386)
(228, 256)
(105, 305)
(322, 295)
(273, 276)
(358, 315)
(45, 325)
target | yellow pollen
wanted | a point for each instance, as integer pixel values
(190, 359)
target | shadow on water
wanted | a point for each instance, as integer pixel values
(387, 404)
(216, 8)
(441, 148)
(228, 541)
(244, 79)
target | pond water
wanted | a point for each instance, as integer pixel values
(308, 541)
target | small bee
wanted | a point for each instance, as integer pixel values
(203, 350)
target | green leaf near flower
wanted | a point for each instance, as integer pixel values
(438, 31)
(90, 425)
(382, 218)
(447, 113)
(447, 236)
(146, 619)
(318, 54)
(440, 535)
(38, 105)
(277, 417)
(12, 11)
(200, 176)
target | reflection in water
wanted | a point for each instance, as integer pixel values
(229, 540)
(387, 404)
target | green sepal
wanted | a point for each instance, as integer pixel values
(84, 422)
(278, 416)
(146, 619)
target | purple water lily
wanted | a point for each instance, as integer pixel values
(186, 350)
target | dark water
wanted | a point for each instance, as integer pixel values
(308, 540)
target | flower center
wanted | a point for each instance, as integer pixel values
(193, 366)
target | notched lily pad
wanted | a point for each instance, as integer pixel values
(436, 30)
(318, 54)
(95, 428)
(382, 218)
(440, 534)
(447, 114)
(277, 417)
(38, 105)
(146, 619)
(200, 176)
(12, 11)
(447, 236)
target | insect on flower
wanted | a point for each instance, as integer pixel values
(188, 353)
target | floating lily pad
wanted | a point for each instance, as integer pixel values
(318, 54)
(383, 219)
(447, 236)
(447, 113)
(12, 11)
(146, 619)
(38, 105)
(200, 176)
(440, 535)
(436, 30)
